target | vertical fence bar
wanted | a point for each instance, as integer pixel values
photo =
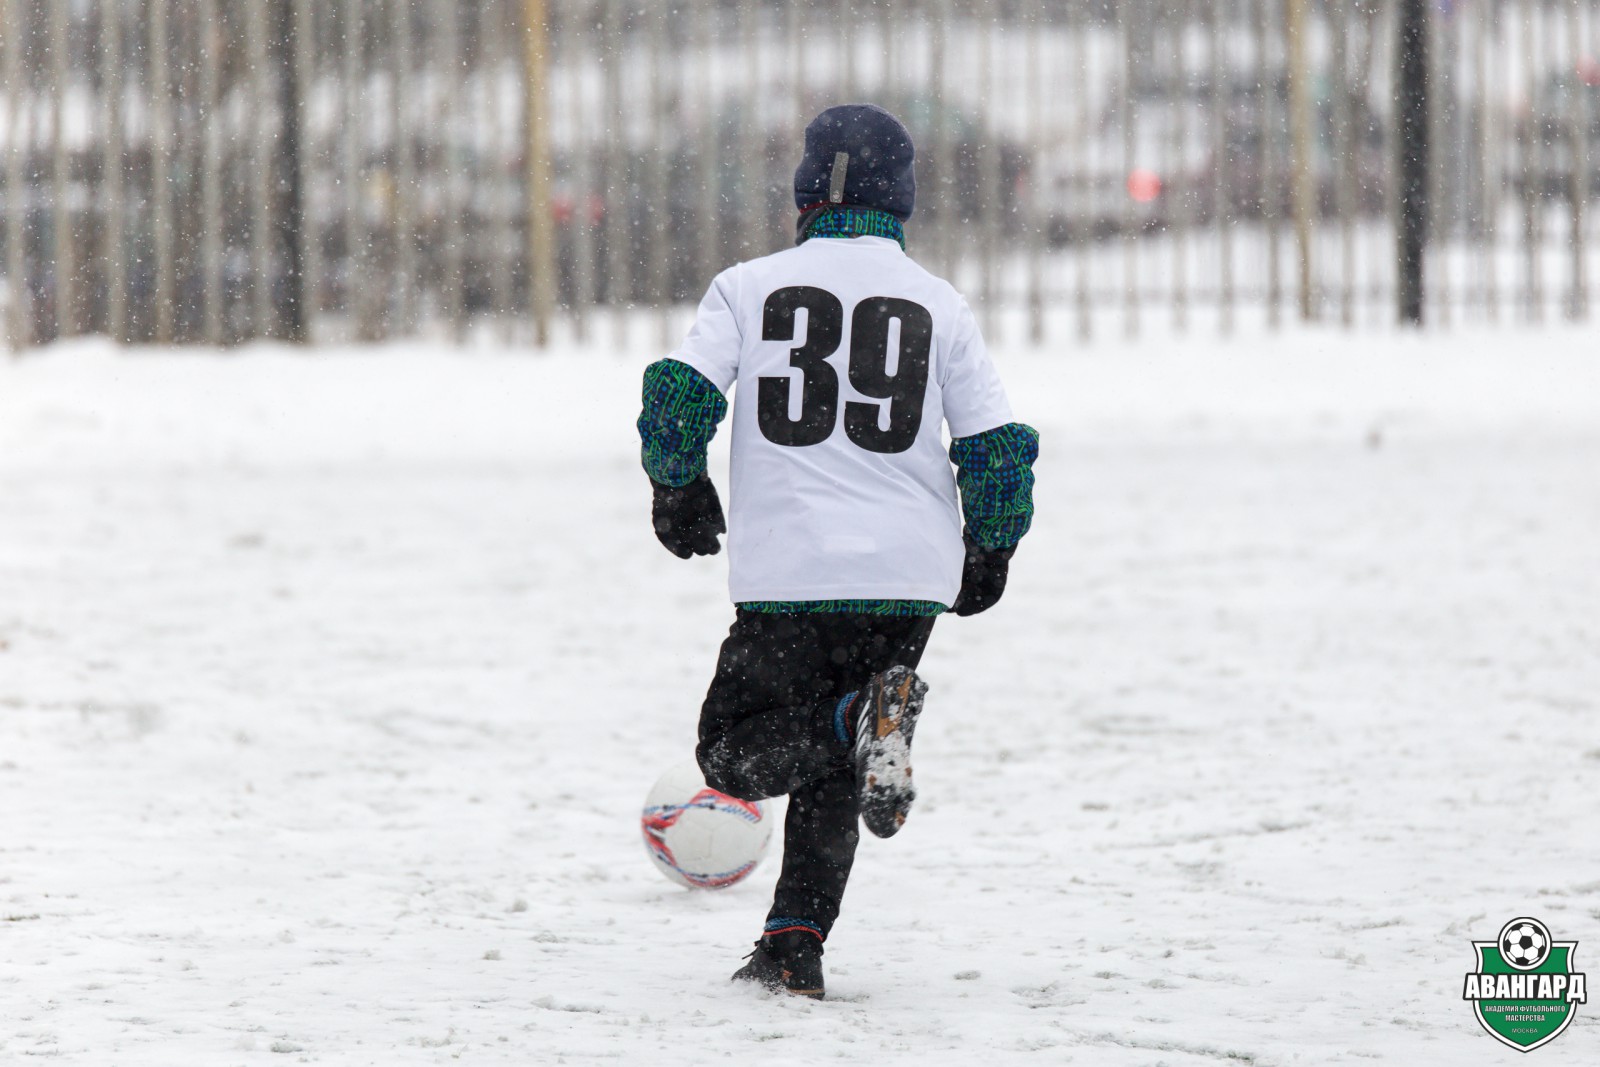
(1222, 195)
(403, 223)
(504, 172)
(475, 162)
(63, 271)
(1543, 157)
(112, 170)
(434, 68)
(1033, 33)
(1127, 13)
(480, 142)
(8, 227)
(301, 17)
(657, 233)
(261, 147)
(464, 134)
(576, 42)
(382, 148)
(1552, 187)
(618, 207)
(1441, 79)
(1590, 57)
(1491, 168)
(989, 193)
(749, 181)
(888, 75)
(443, 249)
(290, 318)
(1345, 156)
(1384, 67)
(213, 39)
(764, 224)
(160, 134)
(382, 151)
(188, 154)
(476, 143)
(707, 170)
(794, 32)
(485, 230)
(1577, 120)
(1079, 193)
(541, 242)
(777, 198)
(1532, 170)
(846, 47)
(943, 168)
(352, 138)
(368, 193)
(1521, 140)
(1270, 133)
(19, 138)
(1177, 187)
(450, 201)
(1590, 34)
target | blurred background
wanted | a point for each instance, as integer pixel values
(214, 171)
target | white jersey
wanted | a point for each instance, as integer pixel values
(849, 359)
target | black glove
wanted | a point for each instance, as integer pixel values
(983, 578)
(688, 518)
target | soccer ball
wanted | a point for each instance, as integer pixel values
(699, 837)
(1524, 943)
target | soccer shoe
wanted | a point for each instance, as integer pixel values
(887, 717)
(788, 962)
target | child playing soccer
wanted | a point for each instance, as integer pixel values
(846, 539)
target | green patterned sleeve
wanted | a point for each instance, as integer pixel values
(994, 471)
(680, 416)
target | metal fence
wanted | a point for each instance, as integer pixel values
(211, 171)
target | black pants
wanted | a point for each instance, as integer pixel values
(768, 728)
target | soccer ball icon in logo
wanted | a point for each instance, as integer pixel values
(699, 837)
(1524, 943)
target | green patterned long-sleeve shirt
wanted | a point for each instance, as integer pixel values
(994, 472)
(681, 412)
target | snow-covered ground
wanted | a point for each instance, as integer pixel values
(330, 686)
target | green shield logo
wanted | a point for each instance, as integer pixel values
(1524, 991)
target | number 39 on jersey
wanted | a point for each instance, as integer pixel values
(871, 325)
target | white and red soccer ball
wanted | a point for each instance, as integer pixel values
(699, 837)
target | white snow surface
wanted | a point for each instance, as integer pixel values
(331, 685)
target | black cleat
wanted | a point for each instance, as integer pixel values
(886, 719)
(788, 962)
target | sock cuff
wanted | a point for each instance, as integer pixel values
(785, 924)
(843, 728)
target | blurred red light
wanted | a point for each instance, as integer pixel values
(1144, 185)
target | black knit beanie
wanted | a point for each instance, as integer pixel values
(857, 155)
